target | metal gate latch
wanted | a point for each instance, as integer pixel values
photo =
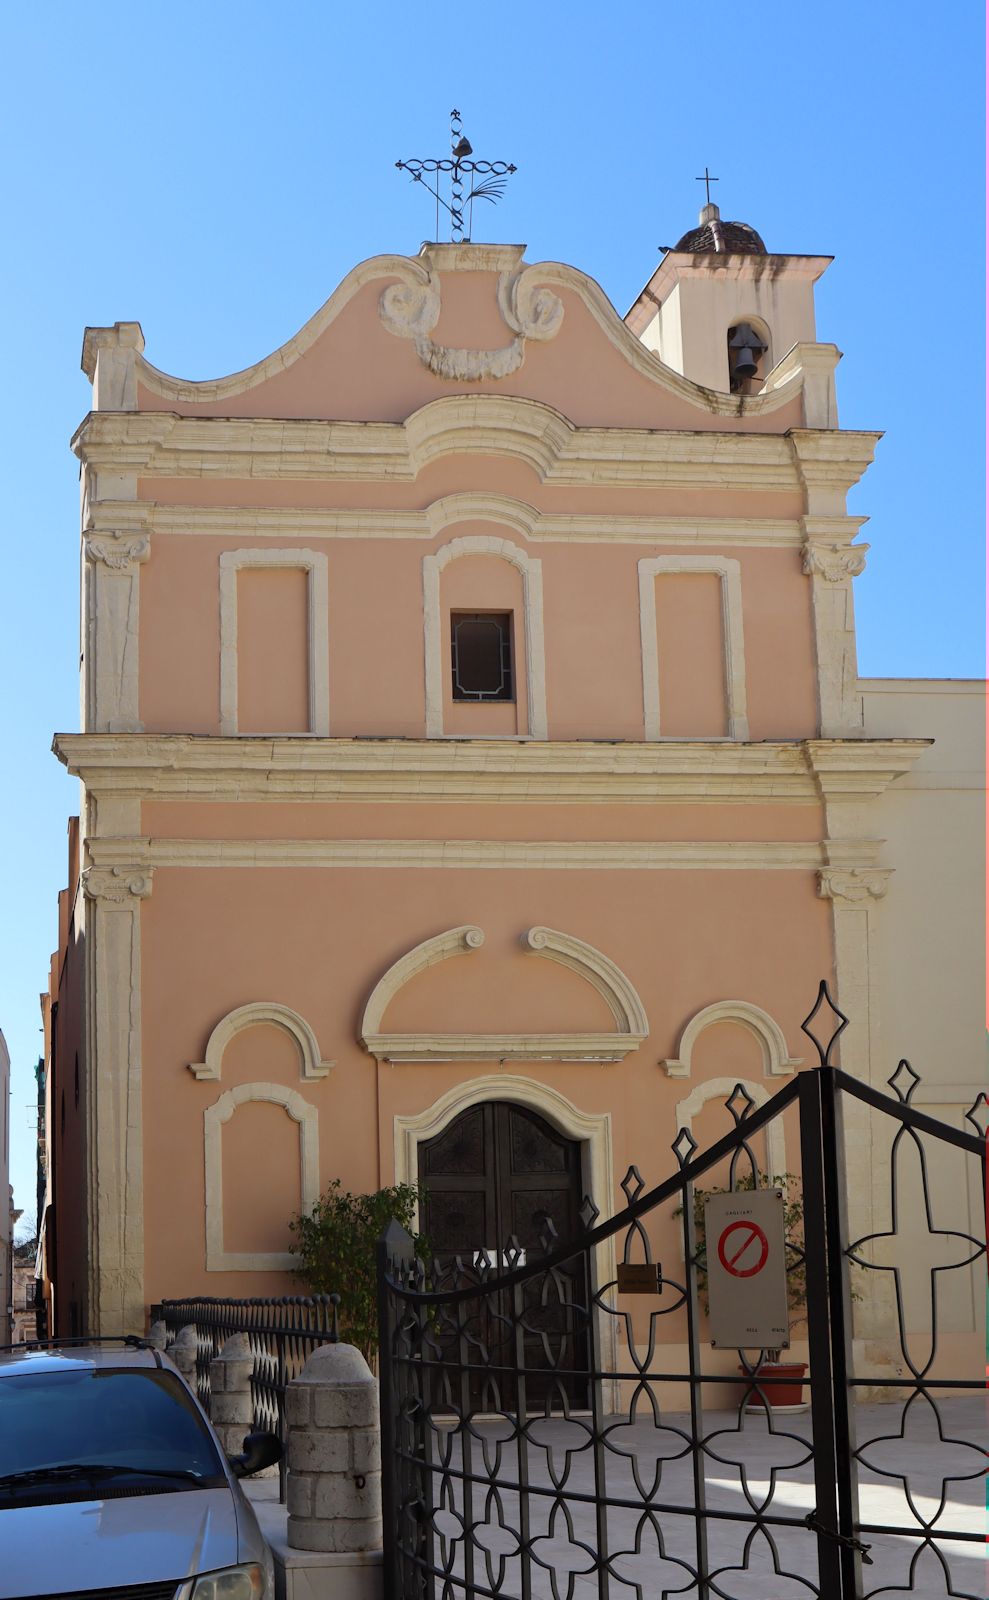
(811, 1520)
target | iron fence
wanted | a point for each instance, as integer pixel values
(282, 1334)
(603, 1451)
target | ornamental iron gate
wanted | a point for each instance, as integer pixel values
(681, 1477)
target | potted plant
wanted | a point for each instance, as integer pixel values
(335, 1243)
(774, 1381)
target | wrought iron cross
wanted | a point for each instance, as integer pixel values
(486, 180)
(707, 181)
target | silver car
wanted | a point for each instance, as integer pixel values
(114, 1485)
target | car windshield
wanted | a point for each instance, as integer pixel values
(137, 1419)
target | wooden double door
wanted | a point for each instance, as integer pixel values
(500, 1170)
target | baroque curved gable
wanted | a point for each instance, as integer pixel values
(390, 306)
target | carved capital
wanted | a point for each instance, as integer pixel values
(412, 310)
(121, 552)
(117, 886)
(834, 562)
(855, 885)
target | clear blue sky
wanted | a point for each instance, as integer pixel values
(213, 170)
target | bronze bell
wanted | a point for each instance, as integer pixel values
(745, 347)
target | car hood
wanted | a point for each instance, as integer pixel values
(105, 1544)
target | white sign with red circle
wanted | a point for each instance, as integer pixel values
(743, 1249)
(745, 1260)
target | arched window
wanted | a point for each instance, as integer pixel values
(500, 615)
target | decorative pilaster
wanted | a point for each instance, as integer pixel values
(111, 599)
(114, 1134)
(855, 893)
(831, 561)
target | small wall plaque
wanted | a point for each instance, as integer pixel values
(640, 1277)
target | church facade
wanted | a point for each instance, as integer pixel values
(476, 778)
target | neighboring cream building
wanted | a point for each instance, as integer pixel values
(475, 770)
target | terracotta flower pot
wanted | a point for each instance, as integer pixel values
(780, 1382)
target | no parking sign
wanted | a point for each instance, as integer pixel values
(746, 1270)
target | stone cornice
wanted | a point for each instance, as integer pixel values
(860, 769)
(829, 463)
(177, 766)
(519, 516)
(564, 855)
(162, 444)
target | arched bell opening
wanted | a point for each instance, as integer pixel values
(749, 355)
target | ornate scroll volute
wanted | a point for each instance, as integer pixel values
(411, 310)
(531, 311)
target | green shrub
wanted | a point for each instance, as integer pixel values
(335, 1244)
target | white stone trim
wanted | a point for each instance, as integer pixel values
(261, 1011)
(831, 561)
(720, 1089)
(532, 603)
(519, 516)
(396, 771)
(729, 571)
(114, 1222)
(111, 616)
(160, 444)
(597, 969)
(593, 1129)
(315, 564)
(776, 1058)
(301, 1111)
(592, 965)
(454, 942)
(685, 855)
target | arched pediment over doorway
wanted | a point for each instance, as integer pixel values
(592, 965)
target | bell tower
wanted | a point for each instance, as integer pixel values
(722, 310)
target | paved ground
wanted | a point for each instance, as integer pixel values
(645, 1549)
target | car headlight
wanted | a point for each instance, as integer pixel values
(233, 1583)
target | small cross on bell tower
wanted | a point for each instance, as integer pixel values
(486, 180)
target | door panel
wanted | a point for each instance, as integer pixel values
(499, 1170)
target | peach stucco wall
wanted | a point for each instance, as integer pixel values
(317, 940)
(189, 819)
(357, 369)
(375, 633)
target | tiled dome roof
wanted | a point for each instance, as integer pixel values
(715, 237)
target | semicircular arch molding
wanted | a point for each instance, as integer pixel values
(476, 506)
(776, 1058)
(615, 987)
(249, 1016)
